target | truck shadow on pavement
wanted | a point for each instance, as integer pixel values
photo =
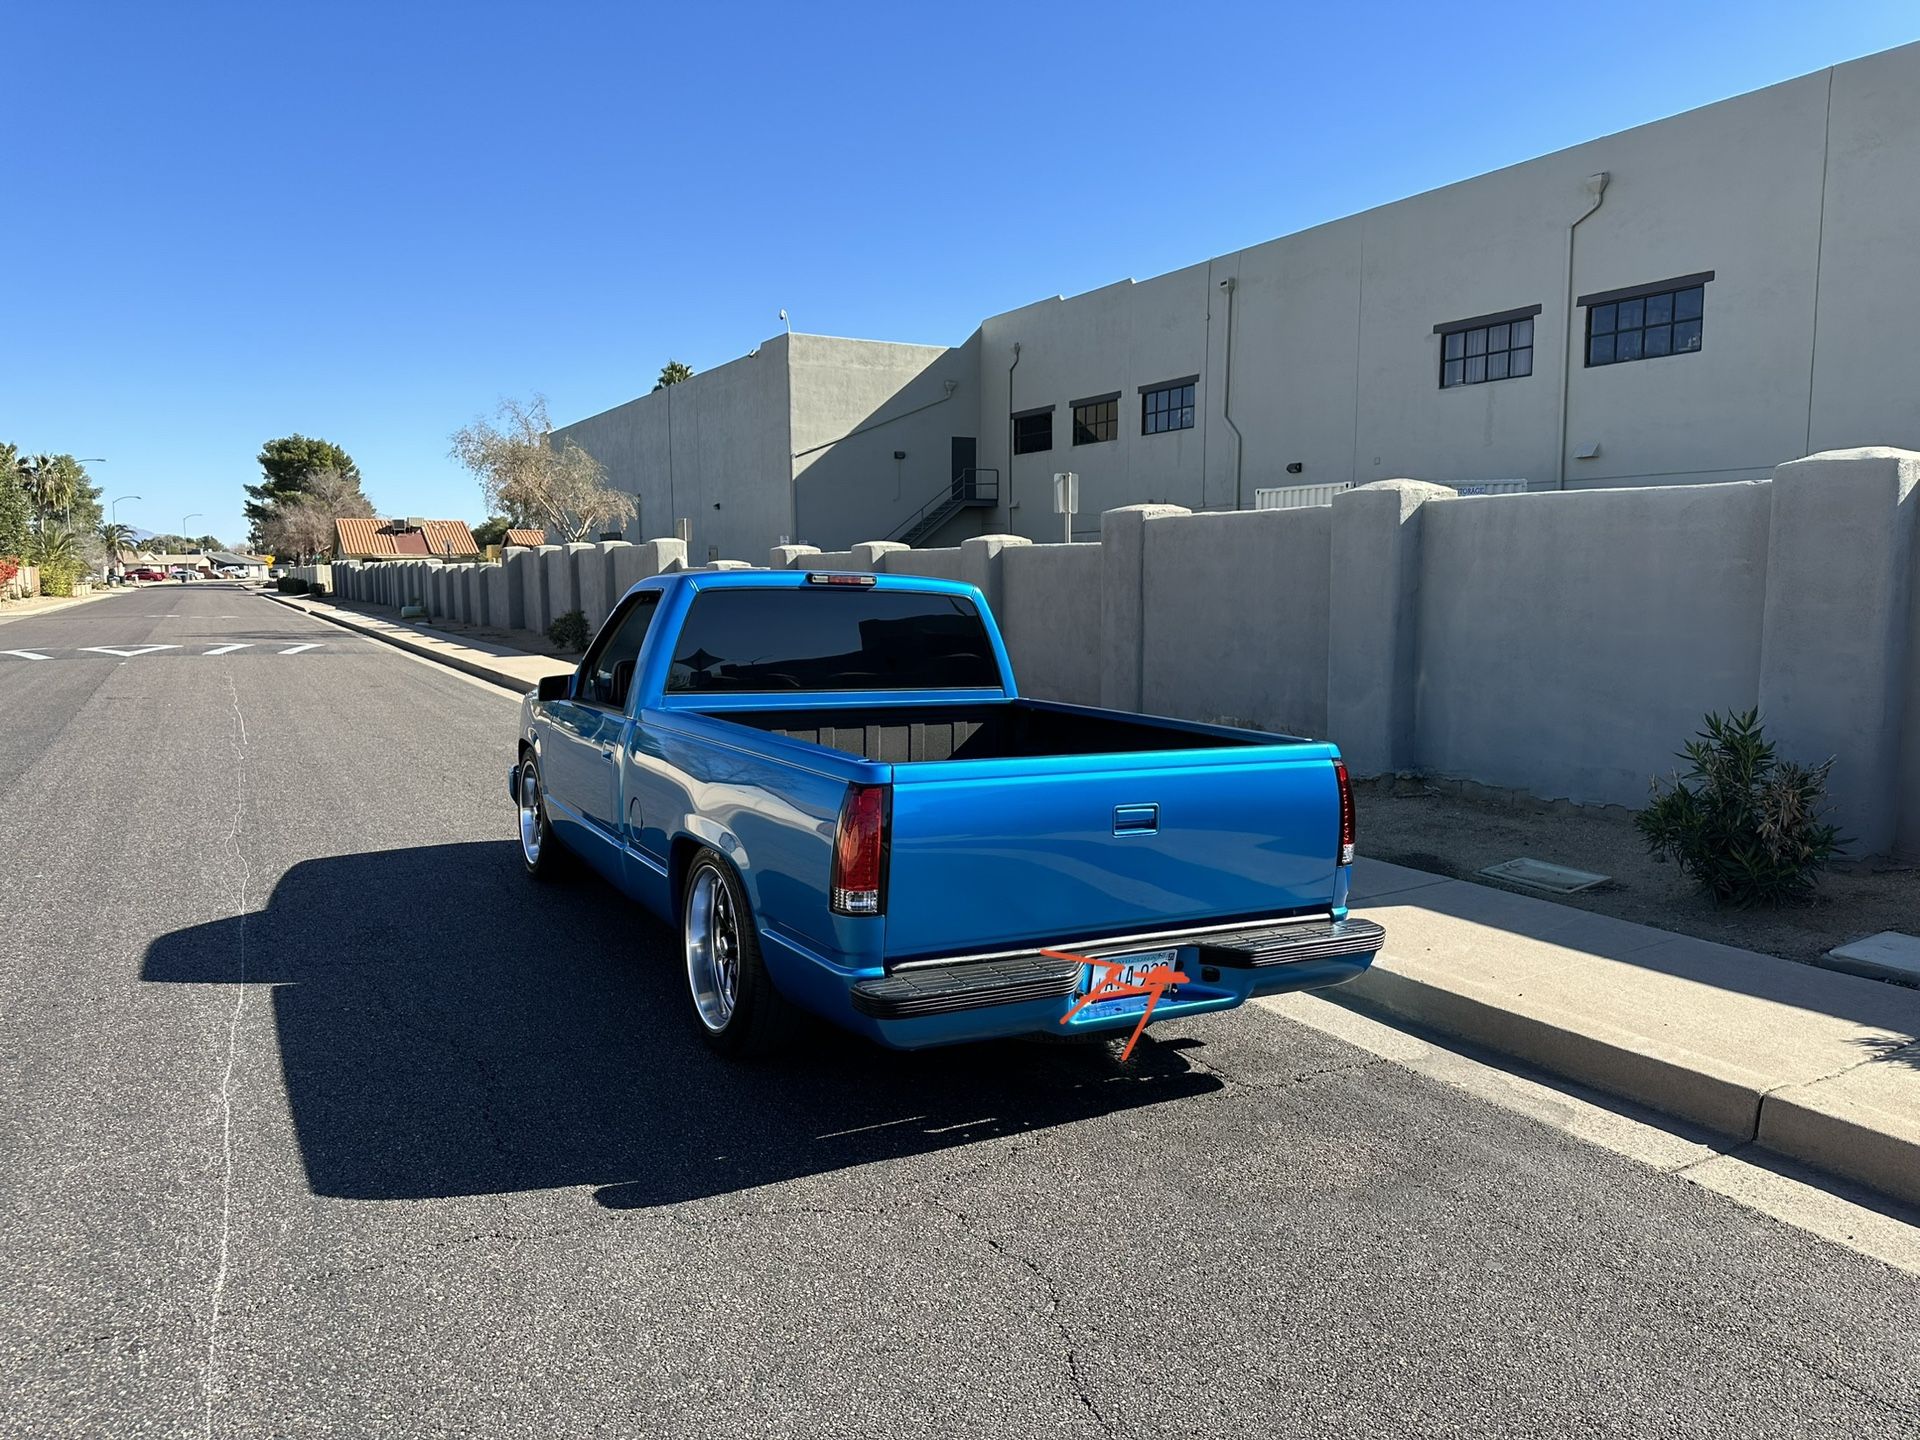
(448, 1027)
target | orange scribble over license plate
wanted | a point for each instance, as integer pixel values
(1147, 975)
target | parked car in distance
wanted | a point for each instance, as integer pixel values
(276, 572)
(146, 572)
(832, 787)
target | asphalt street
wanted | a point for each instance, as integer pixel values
(318, 1119)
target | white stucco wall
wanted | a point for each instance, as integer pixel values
(712, 450)
(1799, 198)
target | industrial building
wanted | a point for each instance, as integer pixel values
(1697, 299)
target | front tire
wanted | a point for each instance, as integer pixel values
(735, 1006)
(540, 850)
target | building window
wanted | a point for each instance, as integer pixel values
(1033, 431)
(1487, 347)
(1097, 419)
(1168, 406)
(1646, 321)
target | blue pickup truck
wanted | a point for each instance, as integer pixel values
(831, 787)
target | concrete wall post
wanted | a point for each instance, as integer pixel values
(596, 578)
(790, 557)
(980, 564)
(1373, 623)
(538, 612)
(563, 578)
(1834, 643)
(868, 554)
(1122, 598)
(644, 558)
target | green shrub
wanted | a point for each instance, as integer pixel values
(1742, 822)
(569, 632)
(292, 585)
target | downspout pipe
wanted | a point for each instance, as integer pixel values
(1226, 398)
(1596, 186)
(1010, 369)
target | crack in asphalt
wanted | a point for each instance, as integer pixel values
(224, 1099)
(1052, 1289)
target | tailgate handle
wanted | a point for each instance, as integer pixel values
(1136, 819)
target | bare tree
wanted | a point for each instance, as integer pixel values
(303, 526)
(523, 474)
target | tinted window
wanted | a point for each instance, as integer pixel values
(1663, 322)
(1096, 421)
(620, 644)
(1032, 433)
(840, 638)
(1479, 353)
(1168, 408)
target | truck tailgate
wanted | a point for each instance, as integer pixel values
(1004, 853)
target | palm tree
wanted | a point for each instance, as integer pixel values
(672, 373)
(55, 546)
(40, 474)
(118, 539)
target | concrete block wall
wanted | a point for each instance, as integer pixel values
(929, 564)
(1049, 611)
(1569, 642)
(1561, 643)
(1234, 618)
(1837, 647)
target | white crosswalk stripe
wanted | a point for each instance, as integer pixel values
(229, 649)
(27, 654)
(296, 649)
(128, 652)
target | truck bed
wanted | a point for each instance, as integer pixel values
(999, 730)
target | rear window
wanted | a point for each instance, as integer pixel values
(831, 639)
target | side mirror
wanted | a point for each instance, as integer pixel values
(554, 687)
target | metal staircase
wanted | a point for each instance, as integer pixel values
(972, 489)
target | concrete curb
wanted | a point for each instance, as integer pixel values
(1796, 1059)
(401, 639)
(58, 606)
(1617, 1063)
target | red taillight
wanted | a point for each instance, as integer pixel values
(860, 852)
(1346, 811)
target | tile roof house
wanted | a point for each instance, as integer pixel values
(366, 539)
(523, 537)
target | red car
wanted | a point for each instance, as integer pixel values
(146, 572)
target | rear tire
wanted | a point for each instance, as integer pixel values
(735, 1006)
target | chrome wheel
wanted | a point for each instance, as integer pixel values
(713, 947)
(533, 826)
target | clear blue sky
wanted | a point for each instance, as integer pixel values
(368, 222)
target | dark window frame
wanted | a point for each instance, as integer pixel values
(1096, 420)
(589, 677)
(1474, 349)
(1654, 321)
(1023, 444)
(1169, 405)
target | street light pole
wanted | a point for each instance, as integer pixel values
(196, 515)
(113, 520)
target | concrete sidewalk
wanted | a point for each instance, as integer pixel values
(1813, 1064)
(510, 669)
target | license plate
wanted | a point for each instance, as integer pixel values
(1126, 970)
